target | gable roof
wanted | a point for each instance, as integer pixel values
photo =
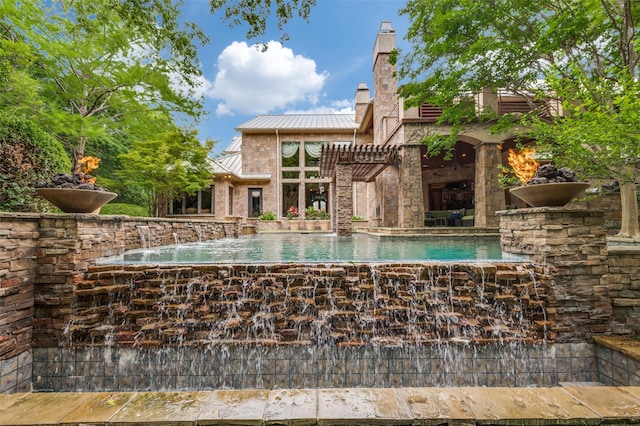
(229, 164)
(316, 122)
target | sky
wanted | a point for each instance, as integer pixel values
(316, 71)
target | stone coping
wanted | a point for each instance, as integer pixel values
(625, 345)
(569, 405)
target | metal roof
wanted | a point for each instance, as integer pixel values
(300, 122)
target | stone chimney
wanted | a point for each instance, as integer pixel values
(385, 86)
(363, 96)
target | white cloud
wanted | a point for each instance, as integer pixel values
(251, 81)
(344, 106)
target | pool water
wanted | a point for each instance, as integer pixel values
(288, 247)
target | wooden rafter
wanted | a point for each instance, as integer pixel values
(368, 161)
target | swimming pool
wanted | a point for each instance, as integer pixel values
(319, 247)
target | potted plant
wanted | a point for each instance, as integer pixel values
(293, 215)
(540, 185)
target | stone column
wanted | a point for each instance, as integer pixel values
(343, 199)
(411, 204)
(569, 249)
(489, 195)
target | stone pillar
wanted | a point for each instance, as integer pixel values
(411, 204)
(489, 195)
(343, 199)
(569, 249)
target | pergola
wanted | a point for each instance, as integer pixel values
(348, 164)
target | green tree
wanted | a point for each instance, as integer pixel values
(583, 54)
(168, 167)
(256, 13)
(108, 66)
(27, 155)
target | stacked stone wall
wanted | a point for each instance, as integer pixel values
(44, 256)
(624, 289)
(341, 305)
(19, 241)
(569, 249)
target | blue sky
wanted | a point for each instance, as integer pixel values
(316, 71)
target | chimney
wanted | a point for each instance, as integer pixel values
(363, 97)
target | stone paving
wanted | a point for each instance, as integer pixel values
(575, 404)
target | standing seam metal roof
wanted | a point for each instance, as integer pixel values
(300, 121)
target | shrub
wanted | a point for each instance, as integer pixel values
(267, 216)
(27, 155)
(124, 209)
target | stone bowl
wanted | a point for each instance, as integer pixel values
(554, 194)
(71, 200)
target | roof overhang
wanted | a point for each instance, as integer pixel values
(367, 161)
(244, 178)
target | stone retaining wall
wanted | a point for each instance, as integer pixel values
(47, 263)
(43, 257)
(624, 289)
(568, 247)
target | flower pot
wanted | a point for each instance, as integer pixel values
(294, 225)
(71, 200)
(325, 225)
(554, 194)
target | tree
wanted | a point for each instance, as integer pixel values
(168, 167)
(255, 13)
(582, 54)
(107, 66)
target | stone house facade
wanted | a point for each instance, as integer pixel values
(275, 163)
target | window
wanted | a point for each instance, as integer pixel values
(202, 202)
(290, 196)
(312, 151)
(255, 202)
(290, 154)
(301, 181)
(316, 196)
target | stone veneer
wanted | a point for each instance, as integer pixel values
(44, 255)
(569, 248)
(49, 328)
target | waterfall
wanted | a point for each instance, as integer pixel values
(145, 236)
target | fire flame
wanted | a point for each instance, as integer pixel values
(89, 164)
(523, 164)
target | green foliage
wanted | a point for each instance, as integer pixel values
(255, 13)
(267, 216)
(167, 167)
(104, 67)
(580, 55)
(124, 209)
(27, 155)
(357, 218)
(311, 213)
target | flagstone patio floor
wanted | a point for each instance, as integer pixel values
(570, 404)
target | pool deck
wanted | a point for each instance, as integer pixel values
(571, 404)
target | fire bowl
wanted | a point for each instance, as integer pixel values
(71, 200)
(554, 194)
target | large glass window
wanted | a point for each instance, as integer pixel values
(302, 186)
(312, 151)
(316, 196)
(290, 196)
(290, 154)
(207, 201)
(202, 202)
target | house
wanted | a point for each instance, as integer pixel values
(370, 164)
